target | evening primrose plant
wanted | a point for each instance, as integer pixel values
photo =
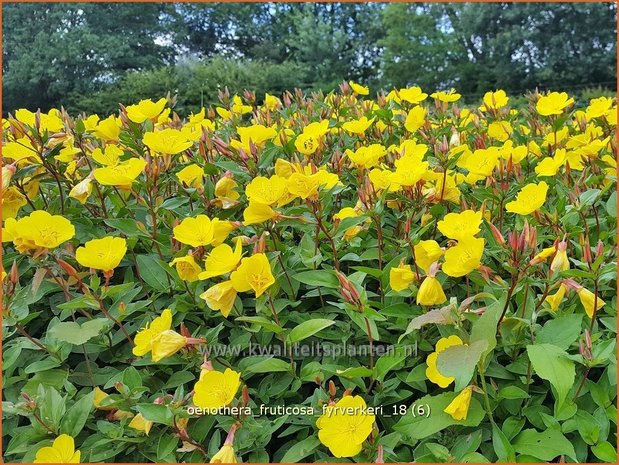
(362, 276)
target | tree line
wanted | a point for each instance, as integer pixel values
(90, 56)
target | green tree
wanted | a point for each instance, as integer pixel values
(52, 52)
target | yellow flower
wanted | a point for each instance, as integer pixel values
(303, 186)
(220, 297)
(191, 175)
(7, 174)
(221, 230)
(271, 102)
(307, 143)
(215, 389)
(480, 164)
(109, 157)
(400, 277)
(254, 273)
(82, 190)
(463, 258)
(530, 198)
(357, 126)
(494, 100)
(257, 213)
(349, 212)
(121, 175)
(167, 343)
(222, 260)
(146, 109)
(430, 292)
(459, 407)
(225, 455)
(12, 201)
(560, 262)
(451, 96)
(100, 396)
(432, 371)
(358, 88)
(21, 149)
(102, 254)
(266, 190)
(383, 180)
(317, 128)
(409, 171)
(412, 95)
(90, 122)
(50, 121)
(345, 425)
(553, 104)
(545, 253)
(144, 338)
(460, 225)
(187, 268)
(598, 107)
(196, 232)
(500, 130)
(415, 119)
(256, 134)
(141, 424)
(426, 253)
(555, 299)
(238, 107)
(224, 191)
(44, 230)
(108, 129)
(169, 141)
(61, 451)
(589, 301)
(367, 157)
(67, 154)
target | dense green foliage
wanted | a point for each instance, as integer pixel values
(85, 55)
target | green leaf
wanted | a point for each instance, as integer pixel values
(561, 331)
(545, 445)
(589, 197)
(552, 364)
(484, 329)
(605, 452)
(262, 321)
(156, 413)
(127, 226)
(356, 372)
(166, 446)
(153, 272)
(269, 365)
(460, 362)
(502, 447)
(76, 334)
(513, 392)
(389, 362)
(308, 328)
(422, 426)
(300, 450)
(318, 278)
(74, 420)
(611, 205)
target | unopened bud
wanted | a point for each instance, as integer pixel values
(332, 389)
(14, 273)
(380, 458)
(599, 249)
(245, 395)
(497, 234)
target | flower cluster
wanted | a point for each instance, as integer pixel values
(484, 235)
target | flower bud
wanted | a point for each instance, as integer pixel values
(332, 389)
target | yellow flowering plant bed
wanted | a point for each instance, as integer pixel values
(389, 278)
